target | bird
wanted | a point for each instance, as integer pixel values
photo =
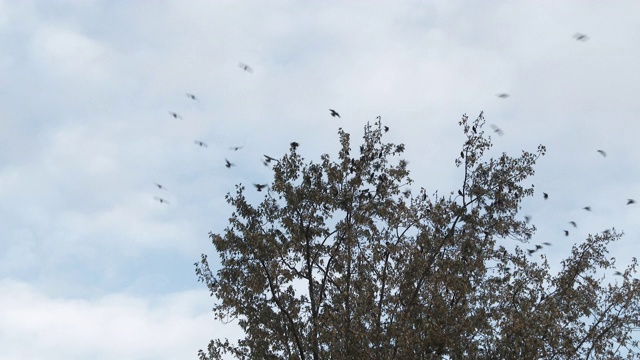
(531, 251)
(228, 163)
(236, 148)
(630, 201)
(386, 129)
(538, 247)
(545, 195)
(245, 67)
(294, 145)
(566, 233)
(259, 187)
(160, 186)
(546, 243)
(460, 192)
(502, 95)
(175, 116)
(497, 130)
(334, 113)
(200, 143)
(617, 273)
(161, 200)
(269, 158)
(475, 130)
(573, 223)
(192, 97)
(604, 154)
(588, 208)
(581, 37)
(462, 154)
(527, 219)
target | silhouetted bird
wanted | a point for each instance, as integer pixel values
(531, 251)
(259, 187)
(175, 116)
(245, 67)
(160, 186)
(228, 163)
(162, 201)
(604, 154)
(573, 223)
(503, 95)
(192, 97)
(538, 247)
(200, 143)
(545, 195)
(460, 192)
(386, 129)
(269, 158)
(462, 154)
(546, 243)
(588, 208)
(630, 201)
(294, 145)
(475, 130)
(497, 130)
(334, 113)
(566, 233)
(235, 148)
(406, 193)
(617, 273)
(581, 37)
(527, 218)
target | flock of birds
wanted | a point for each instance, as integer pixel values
(497, 130)
(268, 159)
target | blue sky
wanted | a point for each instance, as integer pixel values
(93, 267)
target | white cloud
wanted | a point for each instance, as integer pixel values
(117, 326)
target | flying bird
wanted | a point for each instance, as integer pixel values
(294, 145)
(334, 113)
(546, 243)
(236, 148)
(175, 116)
(588, 208)
(228, 163)
(269, 158)
(475, 130)
(192, 97)
(566, 233)
(527, 219)
(502, 95)
(161, 200)
(545, 195)
(581, 37)
(617, 273)
(386, 129)
(200, 143)
(497, 130)
(573, 223)
(604, 154)
(160, 186)
(630, 201)
(246, 67)
(259, 187)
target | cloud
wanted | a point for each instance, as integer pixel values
(117, 326)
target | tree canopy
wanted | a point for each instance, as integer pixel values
(342, 261)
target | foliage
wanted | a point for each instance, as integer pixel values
(340, 261)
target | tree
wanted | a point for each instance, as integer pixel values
(342, 261)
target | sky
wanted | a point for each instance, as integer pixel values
(93, 266)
